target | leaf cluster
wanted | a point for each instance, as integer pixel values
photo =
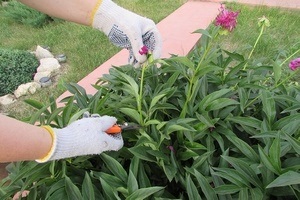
(16, 67)
(211, 129)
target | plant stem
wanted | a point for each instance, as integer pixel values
(290, 57)
(287, 78)
(193, 79)
(140, 100)
(255, 44)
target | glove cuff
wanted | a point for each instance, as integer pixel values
(96, 7)
(106, 15)
(53, 146)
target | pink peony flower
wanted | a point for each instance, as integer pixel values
(294, 64)
(144, 50)
(226, 19)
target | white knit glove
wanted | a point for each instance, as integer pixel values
(127, 30)
(83, 137)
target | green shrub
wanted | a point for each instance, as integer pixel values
(215, 125)
(26, 15)
(16, 67)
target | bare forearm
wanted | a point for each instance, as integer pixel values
(78, 11)
(22, 141)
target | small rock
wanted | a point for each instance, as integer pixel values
(41, 52)
(45, 81)
(62, 58)
(7, 99)
(48, 64)
(27, 88)
(39, 75)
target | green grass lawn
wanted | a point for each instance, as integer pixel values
(86, 48)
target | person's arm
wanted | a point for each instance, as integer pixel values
(22, 141)
(78, 11)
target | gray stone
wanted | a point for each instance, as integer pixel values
(7, 99)
(27, 88)
(62, 58)
(48, 64)
(41, 52)
(45, 81)
(39, 75)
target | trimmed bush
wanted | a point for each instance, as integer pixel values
(16, 67)
(26, 15)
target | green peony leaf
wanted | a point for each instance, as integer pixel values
(286, 179)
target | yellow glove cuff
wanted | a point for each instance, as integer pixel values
(49, 154)
(94, 11)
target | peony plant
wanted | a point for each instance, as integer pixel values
(214, 125)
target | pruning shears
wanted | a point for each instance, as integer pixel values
(118, 128)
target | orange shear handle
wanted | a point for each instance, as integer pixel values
(114, 129)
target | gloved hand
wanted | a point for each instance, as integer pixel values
(127, 30)
(83, 137)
